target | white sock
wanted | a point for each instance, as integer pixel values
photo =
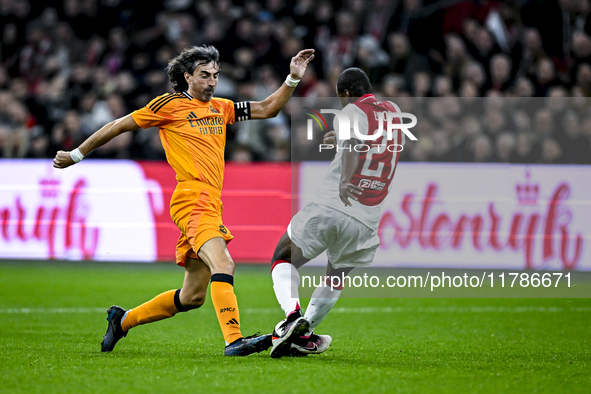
(286, 281)
(322, 301)
(124, 316)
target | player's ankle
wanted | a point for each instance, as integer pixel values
(294, 314)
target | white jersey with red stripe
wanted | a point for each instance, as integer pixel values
(377, 163)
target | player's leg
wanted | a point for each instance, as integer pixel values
(286, 280)
(215, 255)
(194, 291)
(326, 296)
(287, 258)
(354, 246)
(164, 305)
(310, 233)
(323, 299)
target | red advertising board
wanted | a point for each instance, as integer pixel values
(257, 209)
(118, 210)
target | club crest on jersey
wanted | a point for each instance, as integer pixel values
(212, 109)
(374, 185)
(223, 229)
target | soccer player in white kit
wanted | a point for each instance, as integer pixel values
(342, 219)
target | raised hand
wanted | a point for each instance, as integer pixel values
(299, 63)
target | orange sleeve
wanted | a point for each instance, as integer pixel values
(229, 114)
(158, 112)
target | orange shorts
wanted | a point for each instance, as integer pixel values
(196, 209)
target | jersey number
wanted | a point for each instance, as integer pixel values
(365, 171)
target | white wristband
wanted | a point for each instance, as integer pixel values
(291, 82)
(76, 155)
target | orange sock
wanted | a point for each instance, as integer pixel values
(226, 306)
(160, 307)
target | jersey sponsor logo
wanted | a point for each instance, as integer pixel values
(210, 125)
(228, 309)
(191, 118)
(373, 185)
(194, 121)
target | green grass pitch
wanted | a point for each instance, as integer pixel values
(52, 318)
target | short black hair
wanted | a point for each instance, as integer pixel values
(354, 80)
(187, 62)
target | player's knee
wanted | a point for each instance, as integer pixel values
(188, 300)
(278, 255)
(282, 250)
(194, 301)
(223, 266)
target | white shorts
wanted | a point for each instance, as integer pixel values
(348, 242)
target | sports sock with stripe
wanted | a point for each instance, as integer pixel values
(162, 306)
(286, 281)
(226, 306)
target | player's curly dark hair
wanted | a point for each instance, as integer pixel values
(187, 62)
(355, 81)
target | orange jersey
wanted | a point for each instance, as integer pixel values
(193, 134)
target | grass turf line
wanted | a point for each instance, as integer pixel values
(431, 350)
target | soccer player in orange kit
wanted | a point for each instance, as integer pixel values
(193, 133)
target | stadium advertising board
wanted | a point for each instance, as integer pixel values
(480, 216)
(99, 211)
(118, 210)
(437, 215)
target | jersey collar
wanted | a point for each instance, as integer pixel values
(364, 97)
(188, 95)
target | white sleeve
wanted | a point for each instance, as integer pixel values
(335, 124)
(352, 111)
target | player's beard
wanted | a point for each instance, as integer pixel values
(204, 96)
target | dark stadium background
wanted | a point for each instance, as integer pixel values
(68, 67)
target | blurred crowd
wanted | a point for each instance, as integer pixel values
(68, 67)
(549, 130)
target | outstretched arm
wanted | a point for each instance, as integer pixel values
(270, 107)
(111, 130)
